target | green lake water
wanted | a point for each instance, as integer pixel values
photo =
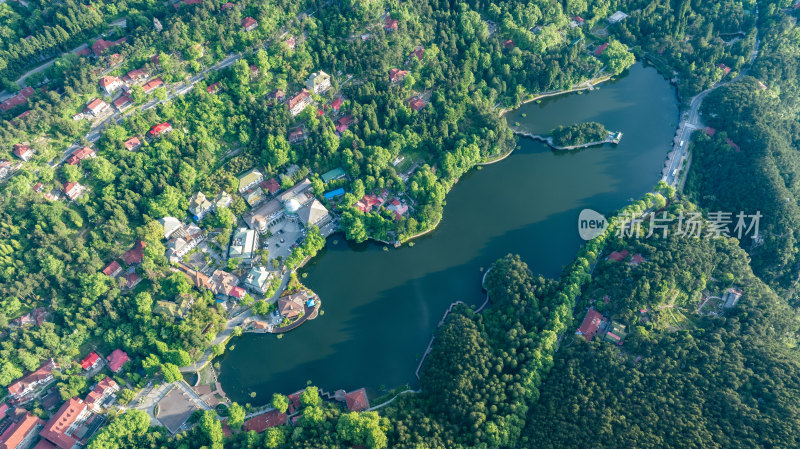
(381, 307)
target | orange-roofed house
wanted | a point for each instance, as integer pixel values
(600, 49)
(397, 75)
(96, 107)
(390, 24)
(21, 433)
(101, 394)
(160, 129)
(90, 361)
(271, 185)
(133, 144)
(294, 401)
(81, 154)
(110, 84)
(32, 381)
(416, 104)
(357, 401)
(23, 152)
(116, 359)
(152, 84)
(123, 102)
(299, 102)
(249, 23)
(113, 269)
(135, 255)
(60, 429)
(618, 256)
(260, 423)
(73, 190)
(591, 323)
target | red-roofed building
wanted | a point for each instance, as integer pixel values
(101, 392)
(297, 135)
(710, 132)
(114, 59)
(123, 102)
(23, 152)
(618, 256)
(132, 280)
(260, 423)
(90, 361)
(136, 254)
(86, 51)
(399, 209)
(600, 49)
(591, 323)
(367, 202)
(636, 259)
(337, 103)
(160, 129)
(117, 359)
(21, 433)
(213, 88)
(96, 107)
(357, 401)
(343, 124)
(509, 44)
(390, 24)
(294, 401)
(724, 68)
(73, 190)
(110, 84)
(227, 6)
(16, 120)
(20, 98)
(249, 23)
(81, 154)
(299, 102)
(133, 144)
(3, 410)
(135, 76)
(5, 167)
(113, 269)
(60, 429)
(101, 45)
(271, 185)
(418, 52)
(416, 104)
(152, 84)
(733, 145)
(33, 380)
(397, 75)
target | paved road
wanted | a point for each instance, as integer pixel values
(691, 121)
(229, 326)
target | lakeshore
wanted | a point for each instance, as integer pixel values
(613, 138)
(382, 306)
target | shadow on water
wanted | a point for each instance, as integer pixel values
(382, 306)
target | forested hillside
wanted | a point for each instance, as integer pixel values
(720, 377)
(747, 159)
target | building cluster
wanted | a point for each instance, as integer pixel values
(73, 423)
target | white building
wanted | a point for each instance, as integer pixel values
(318, 82)
(199, 206)
(243, 244)
(258, 279)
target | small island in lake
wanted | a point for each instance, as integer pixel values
(583, 134)
(573, 137)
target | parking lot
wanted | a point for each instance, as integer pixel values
(284, 234)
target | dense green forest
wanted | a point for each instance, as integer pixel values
(747, 159)
(579, 134)
(714, 378)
